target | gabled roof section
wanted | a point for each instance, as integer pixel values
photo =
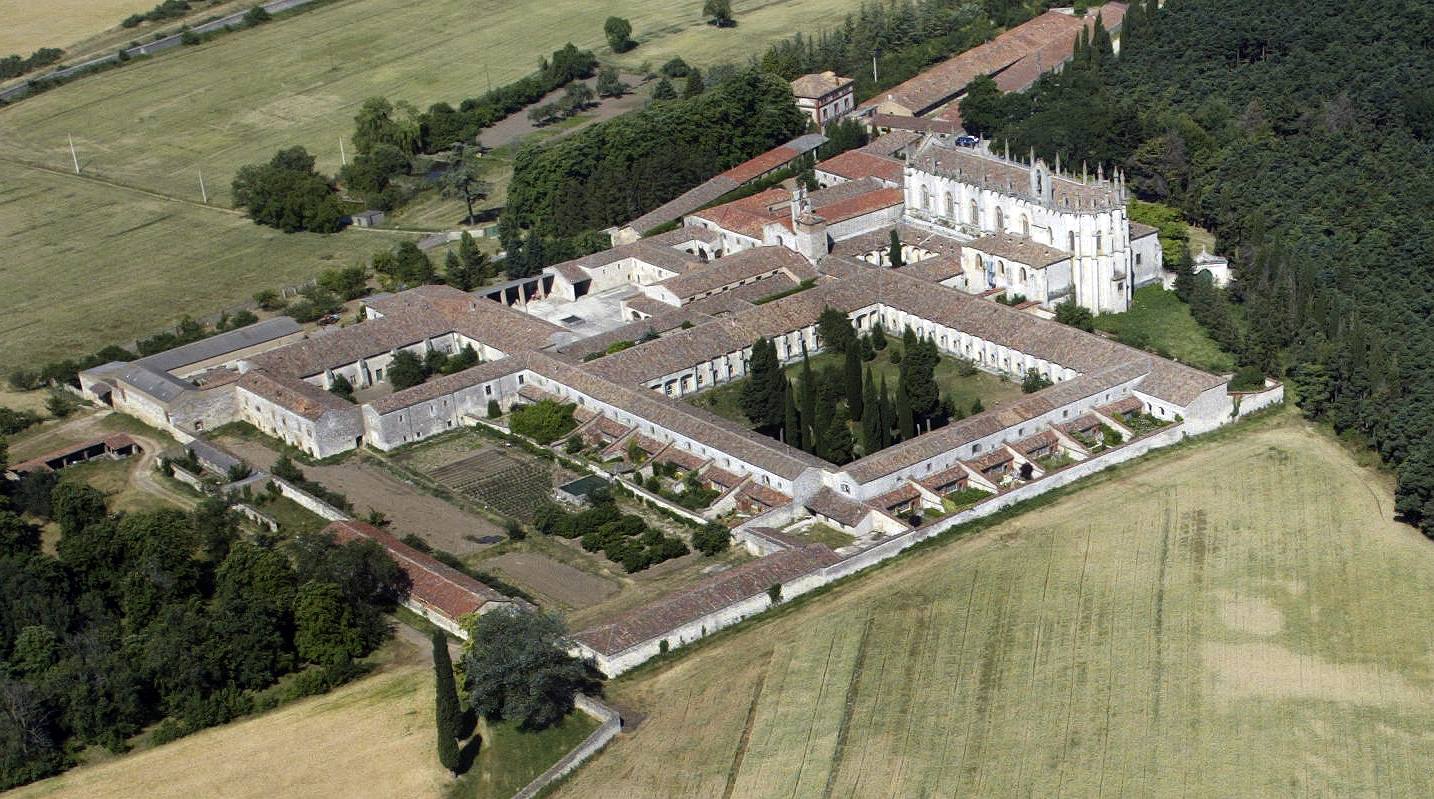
(221, 344)
(293, 394)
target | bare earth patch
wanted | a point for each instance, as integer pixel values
(411, 509)
(552, 579)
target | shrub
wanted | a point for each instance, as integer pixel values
(1248, 378)
(493, 410)
(544, 421)
(712, 539)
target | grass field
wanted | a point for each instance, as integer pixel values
(1242, 618)
(1160, 321)
(89, 264)
(510, 759)
(241, 97)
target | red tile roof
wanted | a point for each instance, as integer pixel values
(769, 161)
(41, 463)
(709, 595)
(442, 588)
(861, 205)
(855, 164)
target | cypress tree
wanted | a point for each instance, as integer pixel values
(761, 398)
(853, 382)
(791, 423)
(836, 443)
(821, 424)
(809, 405)
(888, 415)
(870, 418)
(905, 419)
(448, 712)
(894, 251)
(977, 407)
(878, 338)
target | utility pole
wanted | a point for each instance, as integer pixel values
(873, 66)
(74, 157)
(343, 159)
(203, 191)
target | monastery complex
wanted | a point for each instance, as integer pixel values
(973, 227)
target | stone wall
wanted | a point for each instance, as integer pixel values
(309, 501)
(610, 726)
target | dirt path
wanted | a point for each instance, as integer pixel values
(517, 125)
(411, 509)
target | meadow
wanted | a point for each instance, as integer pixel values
(89, 264)
(1159, 321)
(239, 98)
(59, 23)
(1239, 618)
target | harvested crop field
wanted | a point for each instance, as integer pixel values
(372, 738)
(553, 580)
(1239, 618)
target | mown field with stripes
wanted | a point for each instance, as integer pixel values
(1240, 618)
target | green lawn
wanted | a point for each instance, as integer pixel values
(237, 99)
(1236, 618)
(962, 390)
(509, 758)
(88, 264)
(1159, 321)
(292, 517)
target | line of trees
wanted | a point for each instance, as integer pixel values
(13, 66)
(563, 194)
(1306, 146)
(167, 616)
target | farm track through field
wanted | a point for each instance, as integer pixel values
(746, 738)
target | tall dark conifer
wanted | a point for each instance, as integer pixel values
(449, 714)
(791, 422)
(888, 415)
(870, 417)
(853, 381)
(905, 419)
(808, 405)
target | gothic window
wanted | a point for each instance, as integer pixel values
(950, 206)
(1099, 244)
(1025, 226)
(975, 214)
(1023, 274)
(1001, 268)
(1000, 219)
(1038, 181)
(925, 199)
(1070, 242)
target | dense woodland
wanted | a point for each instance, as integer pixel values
(168, 617)
(1303, 135)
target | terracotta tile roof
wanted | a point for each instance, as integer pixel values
(722, 477)
(1139, 230)
(769, 161)
(857, 164)
(943, 480)
(764, 495)
(817, 85)
(1121, 407)
(749, 215)
(901, 122)
(738, 267)
(1081, 424)
(681, 458)
(892, 143)
(1044, 440)
(995, 457)
(910, 235)
(842, 510)
(904, 493)
(445, 589)
(1051, 33)
(1019, 249)
(1177, 382)
(293, 394)
(860, 205)
(685, 203)
(942, 267)
(709, 595)
(446, 384)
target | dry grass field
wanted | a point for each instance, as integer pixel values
(239, 98)
(373, 738)
(1242, 618)
(88, 264)
(30, 25)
